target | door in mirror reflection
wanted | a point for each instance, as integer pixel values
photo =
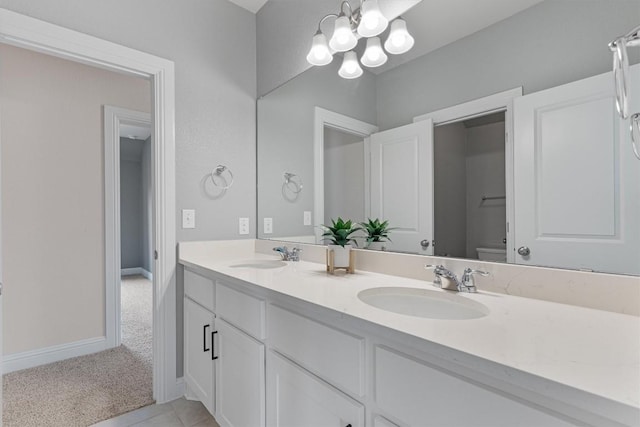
(402, 185)
(576, 180)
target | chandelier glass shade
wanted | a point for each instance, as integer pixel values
(366, 22)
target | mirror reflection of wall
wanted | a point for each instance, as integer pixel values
(469, 189)
(343, 175)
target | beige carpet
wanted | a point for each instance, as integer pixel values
(88, 389)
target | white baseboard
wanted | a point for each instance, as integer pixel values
(42, 356)
(135, 271)
(180, 391)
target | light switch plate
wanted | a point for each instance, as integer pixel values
(188, 218)
(243, 225)
(268, 226)
(307, 217)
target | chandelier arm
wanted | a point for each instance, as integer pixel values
(324, 18)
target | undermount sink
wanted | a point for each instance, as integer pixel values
(263, 264)
(423, 303)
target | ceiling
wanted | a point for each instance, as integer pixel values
(250, 5)
(134, 132)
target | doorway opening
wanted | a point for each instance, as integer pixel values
(136, 241)
(470, 210)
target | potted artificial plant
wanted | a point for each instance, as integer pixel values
(377, 233)
(340, 236)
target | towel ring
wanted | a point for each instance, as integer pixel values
(634, 128)
(620, 75)
(218, 171)
(292, 182)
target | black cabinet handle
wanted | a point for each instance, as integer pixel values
(204, 339)
(213, 345)
(348, 425)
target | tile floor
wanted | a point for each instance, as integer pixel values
(178, 413)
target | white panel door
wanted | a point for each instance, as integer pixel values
(402, 185)
(199, 352)
(577, 183)
(240, 378)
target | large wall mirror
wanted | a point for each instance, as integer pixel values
(503, 145)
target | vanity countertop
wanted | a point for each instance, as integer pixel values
(590, 350)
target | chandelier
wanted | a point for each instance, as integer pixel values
(367, 22)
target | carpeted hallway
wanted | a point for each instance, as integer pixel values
(88, 389)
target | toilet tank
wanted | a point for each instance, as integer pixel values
(492, 254)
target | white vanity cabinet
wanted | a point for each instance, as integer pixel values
(199, 333)
(297, 398)
(418, 393)
(224, 365)
(240, 390)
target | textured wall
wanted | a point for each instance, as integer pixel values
(213, 45)
(53, 195)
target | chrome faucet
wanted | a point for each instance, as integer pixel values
(465, 284)
(293, 255)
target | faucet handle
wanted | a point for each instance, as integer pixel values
(467, 279)
(437, 282)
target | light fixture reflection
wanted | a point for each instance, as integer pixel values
(343, 38)
(372, 21)
(373, 55)
(350, 68)
(319, 54)
(399, 40)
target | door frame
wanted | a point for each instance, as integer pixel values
(113, 118)
(33, 34)
(501, 101)
(322, 118)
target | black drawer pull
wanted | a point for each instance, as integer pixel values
(213, 345)
(204, 339)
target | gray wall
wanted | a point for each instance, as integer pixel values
(147, 207)
(135, 204)
(450, 184)
(213, 45)
(131, 229)
(485, 166)
(343, 176)
(286, 121)
(552, 43)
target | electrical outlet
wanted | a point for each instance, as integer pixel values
(307, 218)
(243, 225)
(188, 218)
(268, 226)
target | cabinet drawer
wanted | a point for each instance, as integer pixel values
(418, 393)
(244, 311)
(199, 289)
(329, 353)
(297, 398)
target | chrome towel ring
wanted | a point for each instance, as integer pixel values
(292, 182)
(621, 78)
(218, 172)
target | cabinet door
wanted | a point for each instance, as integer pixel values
(198, 343)
(240, 389)
(295, 398)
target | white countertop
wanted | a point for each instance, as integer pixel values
(590, 350)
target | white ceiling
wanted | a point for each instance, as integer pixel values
(250, 5)
(134, 132)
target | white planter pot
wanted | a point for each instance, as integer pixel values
(376, 246)
(340, 255)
